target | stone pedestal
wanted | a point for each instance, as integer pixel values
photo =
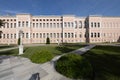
(20, 49)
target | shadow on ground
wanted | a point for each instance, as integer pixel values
(105, 66)
(35, 76)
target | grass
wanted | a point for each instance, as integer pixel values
(41, 54)
(74, 66)
(105, 61)
(6, 46)
(13, 52)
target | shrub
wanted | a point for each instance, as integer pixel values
(41, 56)
(18, 41)
(74, 66)
(47, 40)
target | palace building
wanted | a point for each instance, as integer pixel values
(65, 28)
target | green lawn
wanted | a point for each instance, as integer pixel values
(105, 61)
(41, 54)
(74, 66)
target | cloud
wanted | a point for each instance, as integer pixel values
(11, 11)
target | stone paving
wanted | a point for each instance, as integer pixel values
(19, 68)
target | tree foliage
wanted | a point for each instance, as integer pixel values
(48, 40)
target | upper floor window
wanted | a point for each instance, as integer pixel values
(23, 24)
(98, 24)
(75, 24)
(95, 24)
(26, 35)
(72, 24)
(14, 25)
(68, 24)
(11, 25)
(65, 24)
(37, 25)
(80, 24)
(26, 23)
(19, 23)
(91, 24)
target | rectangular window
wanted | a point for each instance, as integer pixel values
(7, 36)
(14, 36)
(14, 25)
(26, 23)
(26, 35)
(43, 35)
(40, 24)
(68, 35)
(95, 24)
(33, 35)
(91, 34)
(51, 25)
(36, 25)
(65, 24)
(91, 24)
(23, 24)
(65, 35)
(57, 35)
(33, 24)
(11, 25)
(72, 24)
(40, 35)
(3, 35)
(7, 25)
(57, 25)
(47, 25)
(72, 35)
(68, 24)
(98, 24)
(98, 34)
(43, 25)
(19, 24)
(51, 35)
(54, 35)
(54, 25)
(11, 36)
(36, 35)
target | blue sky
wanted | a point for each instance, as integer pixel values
(61, 7)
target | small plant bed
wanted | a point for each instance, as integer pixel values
(74, 66)
(41, 54)
(105, 61)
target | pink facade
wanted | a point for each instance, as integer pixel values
(66, 28)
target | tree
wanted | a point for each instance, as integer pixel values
(47, 40)
(18, 41)
(1, 23)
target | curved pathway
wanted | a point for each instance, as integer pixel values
(19, 68)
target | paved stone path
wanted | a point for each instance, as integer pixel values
(19, 68)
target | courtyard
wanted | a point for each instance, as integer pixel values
(37, 62)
